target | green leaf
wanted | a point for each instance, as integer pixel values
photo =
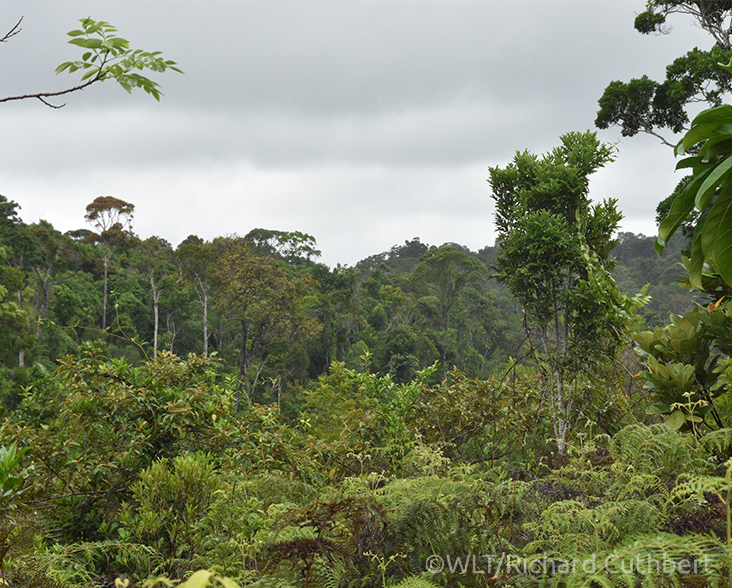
(698, 133)
(717, 236)
(63, 67)
(716, 176)
(696, 262)
(718, 146)
(717, 114)
(676, 420)
(688, 162)
(680, 209)
(120, 43)
(90, 73)
(87, 43)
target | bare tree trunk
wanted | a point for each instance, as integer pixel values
(156, 313)
(560, 424)
(173, 332)
(46, 288)
(205, 323)
(104, 299)
(202, 292)
(21, 352)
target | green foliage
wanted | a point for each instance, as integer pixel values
(264, 302)
(659, 450)
(553, 257)
(644, 105)
(199, 579)
(112, 421)
(12, 486)
(708, 190)
(293, 247)
(110, 57)
(166, 510)
(682, 366)
(637, 265)
(11, 477)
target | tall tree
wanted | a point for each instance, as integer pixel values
(197, 260)
(552, 241)
(53, 266)
(154, 260)
(19, 254)
(112, 218)
(294, 247)
(15, 321)
(449, 269)
(257, 293)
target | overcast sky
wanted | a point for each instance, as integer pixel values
(363, 123)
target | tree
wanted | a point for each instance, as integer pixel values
(19, 252)
(106, 57)
(154, 264)
(553, 249)
(340, 314)
(197, 260)
(293, 247)
(52, 265)
(257, 293)
(112, 218)
(446, 272)
(711, 15)
(15, 322)
(450, 270)
(644, 105)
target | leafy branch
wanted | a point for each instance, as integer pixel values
(107, 57)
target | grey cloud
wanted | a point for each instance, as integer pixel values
(365, 123)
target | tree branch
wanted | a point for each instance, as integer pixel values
(42, 95)
(650, 131)
(12, 32)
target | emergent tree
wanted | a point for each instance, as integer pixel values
(112, 218)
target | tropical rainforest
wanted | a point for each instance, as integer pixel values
(552, 410)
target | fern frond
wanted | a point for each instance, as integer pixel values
(657, 449)
(718, 441)
(415, 582)
(644, 557)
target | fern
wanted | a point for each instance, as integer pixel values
(642, 559)
(78, 565)
(415, 582)
(572, 528)
(658, 450)
(718, 442)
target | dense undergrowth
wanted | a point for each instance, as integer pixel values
(131, 473)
